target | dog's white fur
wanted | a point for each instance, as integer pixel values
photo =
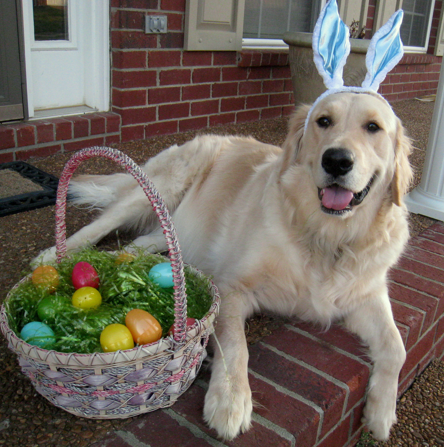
(249, 214)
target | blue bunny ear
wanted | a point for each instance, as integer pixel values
(384, 52)
(331, 45)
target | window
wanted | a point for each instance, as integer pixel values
(266, 20)
(415, 28)
(270, 18)
(50, 20)
(230, 25)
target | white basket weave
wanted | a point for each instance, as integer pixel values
(123, 383)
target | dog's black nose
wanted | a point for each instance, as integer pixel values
(337, 161)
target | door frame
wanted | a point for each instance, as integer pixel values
(97, 91)
(14, 76)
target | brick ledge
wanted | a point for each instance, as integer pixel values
(41, 138)
(420, 58)
(262, 58)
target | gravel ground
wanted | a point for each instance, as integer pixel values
(420, 413)
(26, 419)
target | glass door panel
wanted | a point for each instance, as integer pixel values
(50, 20)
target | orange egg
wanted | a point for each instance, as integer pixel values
(46, 277)
(143, 326)
(125, 258)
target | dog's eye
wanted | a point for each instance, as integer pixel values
(323, 121)
(373, 127)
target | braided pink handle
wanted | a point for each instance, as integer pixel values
(180, 297)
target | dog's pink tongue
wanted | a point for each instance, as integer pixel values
(336, 198)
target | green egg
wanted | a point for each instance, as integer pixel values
(49, 307)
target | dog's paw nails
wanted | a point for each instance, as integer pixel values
(228, 411)
(380, 432)
(379, 427)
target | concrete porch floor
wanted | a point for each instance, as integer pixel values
(310, 384)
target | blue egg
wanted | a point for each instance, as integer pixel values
(37, 334)
(162, 275)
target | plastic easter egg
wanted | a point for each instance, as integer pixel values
(143, 326)
(87, 298)
(124, 258)
(45, 277)
(190, 322)
(116, 336)
(162, 275)
(38, 334)
(48, 307)
(85, 275)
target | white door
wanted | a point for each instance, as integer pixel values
(67, 66)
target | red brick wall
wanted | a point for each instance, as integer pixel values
(416, 75)
(435, 25)
(159, 88)
(370, 19)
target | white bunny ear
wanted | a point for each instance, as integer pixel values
(331, 45)
(384, 52)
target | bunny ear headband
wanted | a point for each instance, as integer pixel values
(331, 47)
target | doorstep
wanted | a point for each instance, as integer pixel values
(310, 384)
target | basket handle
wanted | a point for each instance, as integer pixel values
(159, 207)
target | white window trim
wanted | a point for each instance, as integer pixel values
(263, 44)
(385, 8)
(417, 50)
(251, 43)
(429, 27)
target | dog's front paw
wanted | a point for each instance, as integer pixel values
(228, 408)
(379, 418)
(47, 256)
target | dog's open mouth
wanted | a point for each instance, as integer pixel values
(337, 200)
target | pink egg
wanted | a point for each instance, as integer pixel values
(85, 275)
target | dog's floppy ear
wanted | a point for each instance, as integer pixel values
(291, 145)
(403, 172)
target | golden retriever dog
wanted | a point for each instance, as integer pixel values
(310, 229)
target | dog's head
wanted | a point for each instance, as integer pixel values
(353, 148)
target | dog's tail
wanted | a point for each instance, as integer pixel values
(172, 171)
(98, 191)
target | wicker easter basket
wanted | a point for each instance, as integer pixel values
(123, 383)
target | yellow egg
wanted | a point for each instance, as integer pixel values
(46, 277)
(125, 258)
(86, 298)
(143, 326)
(116, 336)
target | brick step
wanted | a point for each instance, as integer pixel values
(309, 384)
(49, 136)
